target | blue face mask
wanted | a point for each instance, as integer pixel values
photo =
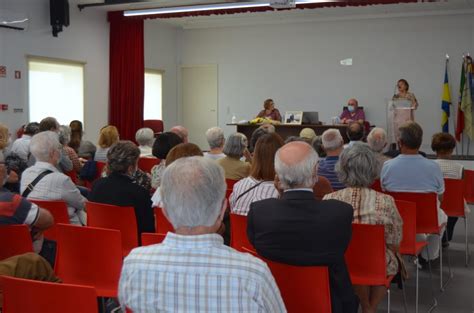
(350, 108)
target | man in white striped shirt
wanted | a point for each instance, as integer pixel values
(192, 270)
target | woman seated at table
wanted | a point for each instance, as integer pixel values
(269, 111)
(352, 113)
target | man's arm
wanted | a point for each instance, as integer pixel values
(44, 220)
(71, 195)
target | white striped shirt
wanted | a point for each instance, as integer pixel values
(196, 274)
(450, 168)
(241, 206)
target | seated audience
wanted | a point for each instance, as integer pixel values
(119, 189)
(145, 138)
(215, 138)
(259, 184)
(53, 185)
(411, 172)
(164, 142)
(355, 133)
(223, 280)
(64, 138)
(333, 144)
(259, 132)
(235, 147)
(13, 176)
(353, 113)
(107, 137)
(443, 145)
(355, 169)
(84, 148)
(4, 139)
(377, 141)
(21, 146)
(308, 135)
(299, 230)
(318, 147)
(269, 111)
(181, 131)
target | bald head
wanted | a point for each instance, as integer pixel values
(181, 131)
(353, 102)
(355, 131)
(296, 165)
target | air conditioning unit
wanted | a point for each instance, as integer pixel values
(283, 4)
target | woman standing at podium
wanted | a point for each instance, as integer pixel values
(269, 111)
(404, 94)
(401, 112)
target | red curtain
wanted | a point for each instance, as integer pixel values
(126, 75)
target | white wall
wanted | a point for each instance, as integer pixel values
(298, 64)
(86, 39)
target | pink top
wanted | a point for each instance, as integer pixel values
(354, 116)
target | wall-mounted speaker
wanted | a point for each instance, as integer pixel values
(59, 15)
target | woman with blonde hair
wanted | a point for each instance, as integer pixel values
(107, 137)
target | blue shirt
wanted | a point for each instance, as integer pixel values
(412, 173)
(326, 169)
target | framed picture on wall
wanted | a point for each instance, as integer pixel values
(293, 117)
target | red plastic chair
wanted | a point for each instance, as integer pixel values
(73, 175)
(90, 256)
(115, 217)
(23, 295)
(14, 240)
(365, 257)
(230, 187)
(238, 232)
(469, 186)
(152, 238)
(377, 185)
(156, 125)
(99, 168)
(162, 225)
(60, 214)
(453, 205)
(146, 164)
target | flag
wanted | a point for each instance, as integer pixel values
(460, 113)
(445, 102)
(466, 101)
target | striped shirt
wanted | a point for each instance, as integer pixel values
(264, 191)
(450, 168)
(196, 274)
(326, 169)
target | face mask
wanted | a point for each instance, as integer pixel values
(350, 108)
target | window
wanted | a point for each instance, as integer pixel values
(55, 88)
(152, 103)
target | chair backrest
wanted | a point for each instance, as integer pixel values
(453, 197)
(407, 212)
(90, 256)
(365, 256)
(230, 187)
(469, 186)
(156, 125)
(146, 164)
(162, 225)
(58, 210)
(426, 210)
(73, 175)
(115, 217)
(376, 185)
(14, 240)
(238, 232)
(23, 295)
(152, 238)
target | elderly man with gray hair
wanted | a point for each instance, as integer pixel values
(377, 141)
(145, 138)
(222, 279)
(44, 181)
(215, 138)
(299, 230)
(333, 144)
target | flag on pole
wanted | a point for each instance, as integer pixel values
(466, 101)
(460, 113)
(445, 102)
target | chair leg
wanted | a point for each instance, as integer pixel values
(416, 291)
(435, 301)
(441, 284)
(388, 300)
(404, 294)
(467, 241)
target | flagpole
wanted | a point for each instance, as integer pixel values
(451, 109)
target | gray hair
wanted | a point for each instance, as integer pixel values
(301, 174)
(377, 139)
(192, 191)
(357, 166)
(235, 145)
(43, 143)
(64, 134)
(215, 137)
(121, 156)
(145, 136)
(332, 139)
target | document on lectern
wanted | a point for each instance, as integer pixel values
(398, 112)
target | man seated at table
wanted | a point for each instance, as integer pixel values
(352, 113)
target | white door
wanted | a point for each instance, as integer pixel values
(199, 96)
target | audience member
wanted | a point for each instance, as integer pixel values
(411, 172)
(355, 169)
(333, 144)
(215, 138)
(64, 138)
(107, 137)
(4, 138)
(43, 180)
(318, 147)
(145, 138)
(260, 131)
(355, 133)
(84, 148)
(377, 141)
(164, 142)
(307, 134)
(181, 131)
(21, 146)
(119, 189)
(235, 147)
(49, 123)
(259, 184)
(293, 138)
(299, 230)
(193, 193)
(353, 113)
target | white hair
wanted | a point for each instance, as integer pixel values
(42, 144)
(192, 191)
(64, 134)
(302, 174)
(235, 145)
(357, 166)
(332, 139)
(377, 139)
(145, 136)
(215, 137)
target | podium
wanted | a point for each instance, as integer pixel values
(398, 112)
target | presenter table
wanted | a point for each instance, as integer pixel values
(286, 130)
